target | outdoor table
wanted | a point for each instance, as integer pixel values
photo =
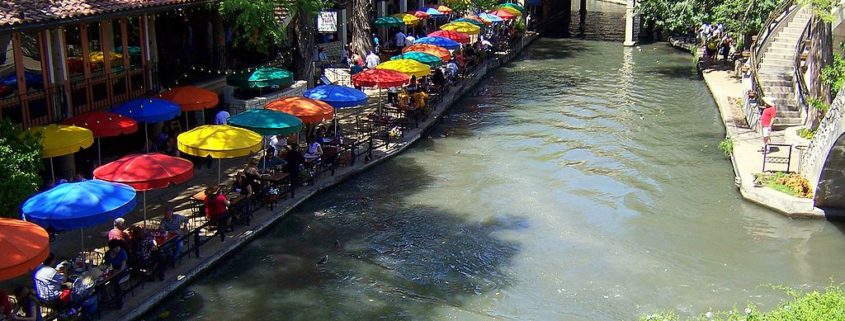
(199, 200)
(161, 238)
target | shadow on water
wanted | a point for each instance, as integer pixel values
(388, 258)
(554, 49)
(676, 71)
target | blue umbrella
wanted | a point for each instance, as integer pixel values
(440, 42)
(79, 205)
(491, 17)
(432, 12)
(148, 110)
(338, 96)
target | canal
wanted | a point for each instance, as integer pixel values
(580, 182)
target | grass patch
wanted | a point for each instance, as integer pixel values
(727, 146)
(790, 183)
(827, 305)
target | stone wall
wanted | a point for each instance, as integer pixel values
(826, 141)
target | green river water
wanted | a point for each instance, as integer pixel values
(580, 182)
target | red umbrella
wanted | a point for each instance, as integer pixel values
(103, 124)
(419, 14)
(25, 245)
(146, 172)
(449, 34)
(381, 78)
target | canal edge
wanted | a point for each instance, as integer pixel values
(789, 206)
(240, 240)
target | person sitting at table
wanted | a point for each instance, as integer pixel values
(174, 223)
(117, 259)
(27, 307)
(5, 305)
(142, 249)
(294, 160)
(314, 150)
(119, 232)
(438, 80)
(412, 86)
(404, 99)
(420, 98)
(216, 207)
(452, 70)
(49, 281)
(242, 186)
(270, 160)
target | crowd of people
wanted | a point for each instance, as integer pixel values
(716, 42)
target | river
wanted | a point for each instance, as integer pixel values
(580, 182)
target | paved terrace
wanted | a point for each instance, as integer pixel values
(147, 294)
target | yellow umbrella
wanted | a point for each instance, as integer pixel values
(219, 141)
(464, 27)
(409, 19)
(60, 140)
(512, 10)
(409, 67)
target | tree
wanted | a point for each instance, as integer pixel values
(20, 164)
(461, 6)
(360, 20)
(741, 17)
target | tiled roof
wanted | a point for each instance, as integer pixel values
(21, 12)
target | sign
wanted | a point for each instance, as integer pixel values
(327, 22)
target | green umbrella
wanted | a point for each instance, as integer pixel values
(428, 59)
(261, 77)
(388, 22)
(267, 122)
(515, 6)
(475, 22)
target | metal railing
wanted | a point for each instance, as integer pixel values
(799, 83)
(777, 159)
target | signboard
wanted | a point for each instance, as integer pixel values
(327, 22)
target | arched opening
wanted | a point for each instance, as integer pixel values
(830, 191)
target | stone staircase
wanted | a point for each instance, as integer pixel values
(776, 71)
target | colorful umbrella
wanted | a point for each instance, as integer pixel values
(451, 35)
(439, 52)
(145, 172)
(261, 77)
(25, 246)
(514, 6)
(475, 21)
(191, 98)
(60, 140)
(491, 17)
(148, 110)
(443, 9)
(504, 14)
(267, 122)
(432, 12)
(409, 67)
(338, 96)
(79, 204)
(464, 27)
(407, 19)
(440, 42)
(388, 22)
(422, 57)
(103, 124)
(380, 78)
(310, 111)
(511, 10)
(219, 141)
(419, 14)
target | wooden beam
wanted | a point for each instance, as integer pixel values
(21, 77)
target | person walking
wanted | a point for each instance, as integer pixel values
(400, 39)
(767, 119)
(372, 60)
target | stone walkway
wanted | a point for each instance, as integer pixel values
(746, 157)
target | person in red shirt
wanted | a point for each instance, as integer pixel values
(216, 205)
(766, 121)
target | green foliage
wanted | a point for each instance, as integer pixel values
(790, 183)
(806, 133)
(679, 16)
(727, 146)
(833, 75)
(460, 6)
(828, 305)
(821, 8)
(818, 104)
(20, 163)
(257, 23)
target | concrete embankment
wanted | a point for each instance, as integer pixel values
(147, 298)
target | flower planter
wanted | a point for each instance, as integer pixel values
(792, 138)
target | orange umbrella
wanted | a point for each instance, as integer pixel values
(25, 245)
(309, 110)
(191, 98)
(504, 14)
(440, 52)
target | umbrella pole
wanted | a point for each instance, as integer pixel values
(219, 169)
(187, 125)
(145, 209)
(99, 156)
(146, 139)
(52, 170)
(81, 240)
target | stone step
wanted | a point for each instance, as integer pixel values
(781, 50)
(775, 95)
(775, 67)
(775, 77)
(769, 54)
(775, 83)
(776, 90)
(784, 122)
(778, 45)
(778, 61)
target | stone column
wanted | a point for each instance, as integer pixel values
(342, 28)
(403, 7)
(420, 3)
(630, 39)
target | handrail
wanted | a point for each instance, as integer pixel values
(800, 85)
(775, 20)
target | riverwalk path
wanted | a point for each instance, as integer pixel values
(144, 298)
(746, 158)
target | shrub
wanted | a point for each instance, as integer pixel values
(727, 146)
(806, 133)
(790, 183)
(20, 164)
